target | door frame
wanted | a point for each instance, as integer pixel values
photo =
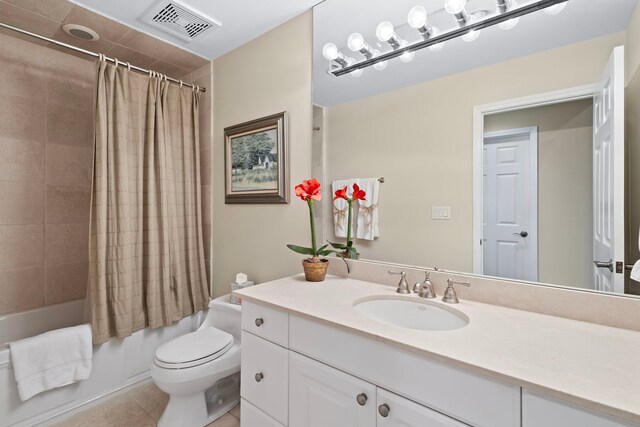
(532, 132)
(479, 111)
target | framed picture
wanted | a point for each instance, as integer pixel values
(256, 161)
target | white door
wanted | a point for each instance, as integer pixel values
(608, 177)
(322, 396)
(510, 204)
(396, 411)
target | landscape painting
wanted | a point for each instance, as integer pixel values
(255, 161)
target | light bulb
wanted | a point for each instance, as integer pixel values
(407, 55)
(355, 42)
(471, 36)
(555, 9)
(417, 17)
(330, 52)
(385, 31)
(454, 6)
(379, 65)
(354, 73)
(438, 46)
(507, 25)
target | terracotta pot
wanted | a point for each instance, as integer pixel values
(315, 271)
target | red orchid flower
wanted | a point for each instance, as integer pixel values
(341, 194)
(358, 194)
(309, 189)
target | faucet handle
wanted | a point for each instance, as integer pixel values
(450, 295)
(398, 273)
(403, 286)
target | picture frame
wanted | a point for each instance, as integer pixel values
(257, 161)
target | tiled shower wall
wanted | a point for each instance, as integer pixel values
(46, 154)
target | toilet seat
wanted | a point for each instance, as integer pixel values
(194, 349)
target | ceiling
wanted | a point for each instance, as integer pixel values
(334, 20)
(242, 20)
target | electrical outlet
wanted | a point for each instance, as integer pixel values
(441, 212)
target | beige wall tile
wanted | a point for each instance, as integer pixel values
(105, 27)
(56, 10)
(20, 75)
(66, 244)
(171, 70)
(22, 117)
(69, 125)
(21, 18)
(66, 282)
(69, 166)
(67, 204)
(21, 246)
(21, 202)
(72, 93)
(21, 289)
(124, 53)
(21, 160)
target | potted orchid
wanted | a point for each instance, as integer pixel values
(348, 250)
(315, 268)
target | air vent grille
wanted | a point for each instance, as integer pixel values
(179, 20)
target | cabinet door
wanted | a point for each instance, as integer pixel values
(322, 396)
(254, 417)
(403, 412)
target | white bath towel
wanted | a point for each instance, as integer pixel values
(635, 272)
(341, 208)
(50, 360)
(368, 224)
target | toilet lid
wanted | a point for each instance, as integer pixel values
(200, 346)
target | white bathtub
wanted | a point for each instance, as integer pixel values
(116, 364)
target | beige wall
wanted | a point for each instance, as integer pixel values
(565, 187)
(266, 76)
(419, 139)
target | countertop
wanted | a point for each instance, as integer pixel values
(594, 366)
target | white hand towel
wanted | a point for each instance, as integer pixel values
(340, 208)
(635, 272)
(368, 226)
(50, 360)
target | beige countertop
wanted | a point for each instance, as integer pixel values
(591, 365)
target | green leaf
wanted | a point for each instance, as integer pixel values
(301, 250)
(338, 245)
(350, 243)
(321, 248)
(353, 253)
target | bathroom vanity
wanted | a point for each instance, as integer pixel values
(310, 359)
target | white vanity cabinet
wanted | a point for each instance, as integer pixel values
(394, 411)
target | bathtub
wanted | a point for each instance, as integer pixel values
(117, 363)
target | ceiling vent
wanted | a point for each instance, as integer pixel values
(179, 20)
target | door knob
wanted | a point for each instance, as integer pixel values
(384, 410)
(361, 399)
(604, 264)
(521, 234)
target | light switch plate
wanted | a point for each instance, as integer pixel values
(440, 212)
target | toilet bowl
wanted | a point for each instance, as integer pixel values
(200, 371)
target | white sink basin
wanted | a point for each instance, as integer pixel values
(409, 314)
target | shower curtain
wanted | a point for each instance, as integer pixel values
(146, 247)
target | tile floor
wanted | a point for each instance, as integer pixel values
(139, 407)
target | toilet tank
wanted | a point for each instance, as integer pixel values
(224, 316)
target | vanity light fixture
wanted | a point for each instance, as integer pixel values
(469, 26)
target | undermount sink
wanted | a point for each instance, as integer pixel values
(411, 314)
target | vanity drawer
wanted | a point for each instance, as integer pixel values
(266, 322)
(461, 394)
(252, 416)
(265, 376)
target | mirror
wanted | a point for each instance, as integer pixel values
(503, 156)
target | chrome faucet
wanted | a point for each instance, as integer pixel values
(425, 289)
(403, 286)
(450, 295)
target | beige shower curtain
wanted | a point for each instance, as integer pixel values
(146, 252)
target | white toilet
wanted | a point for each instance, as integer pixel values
(201, 370)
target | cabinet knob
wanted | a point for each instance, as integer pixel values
(259, 321)
(384, 410)
(259, 376)
(361, 399)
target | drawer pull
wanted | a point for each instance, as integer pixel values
(384, 410)
(361, 399)
(259, 376)
(259, 321)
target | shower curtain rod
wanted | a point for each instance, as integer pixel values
(90, 53)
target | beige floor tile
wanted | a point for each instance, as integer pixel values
(235, 411)
(151, 398)
(120, 411)
(226, 420)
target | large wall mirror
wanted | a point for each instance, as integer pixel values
(511, 154)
